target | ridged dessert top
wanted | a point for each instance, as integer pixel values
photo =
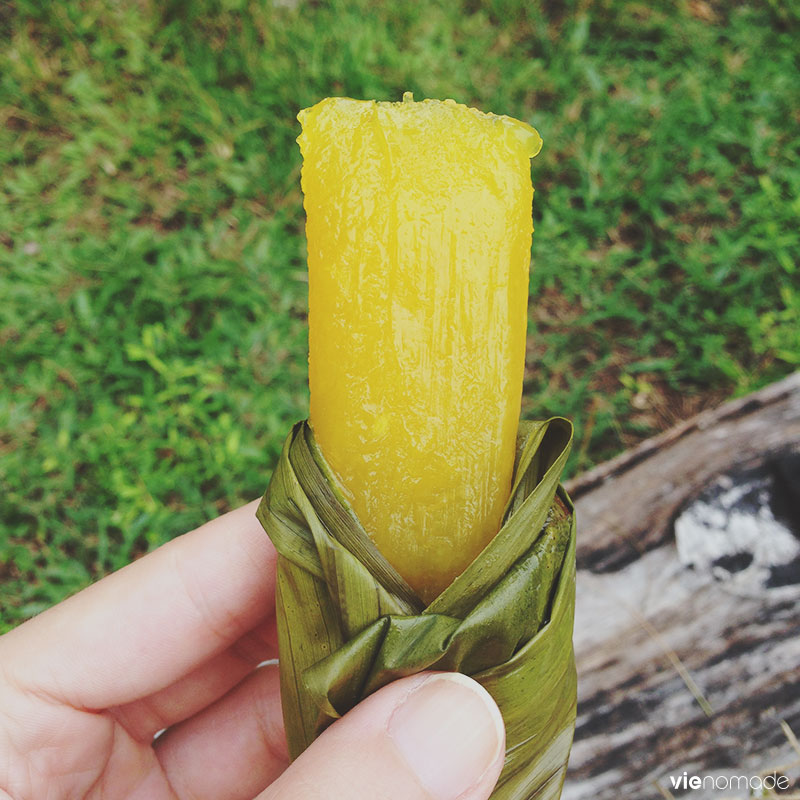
(443, 120)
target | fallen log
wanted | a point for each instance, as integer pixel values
(687, 629)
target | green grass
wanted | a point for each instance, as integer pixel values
(152, 262)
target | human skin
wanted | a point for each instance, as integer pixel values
(174, 641)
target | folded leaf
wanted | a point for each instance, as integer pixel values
(348, 623)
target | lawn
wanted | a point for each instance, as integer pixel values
(152, 257)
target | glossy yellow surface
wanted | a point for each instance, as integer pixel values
(419, 233)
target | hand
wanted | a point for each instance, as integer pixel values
(174, 641)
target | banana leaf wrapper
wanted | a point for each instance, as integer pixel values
(349, 624)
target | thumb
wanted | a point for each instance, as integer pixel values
(433, 736)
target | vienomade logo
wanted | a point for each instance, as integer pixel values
(727, 782)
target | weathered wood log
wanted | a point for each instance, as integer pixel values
(688, 652)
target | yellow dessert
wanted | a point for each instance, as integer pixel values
(419, 233)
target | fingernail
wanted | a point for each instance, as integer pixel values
(450, 732)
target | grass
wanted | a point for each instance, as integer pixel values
(152, 263)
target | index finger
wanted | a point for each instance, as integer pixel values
(153, 621)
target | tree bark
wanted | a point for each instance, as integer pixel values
(683, 667)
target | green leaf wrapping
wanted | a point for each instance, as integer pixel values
(349, 624)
